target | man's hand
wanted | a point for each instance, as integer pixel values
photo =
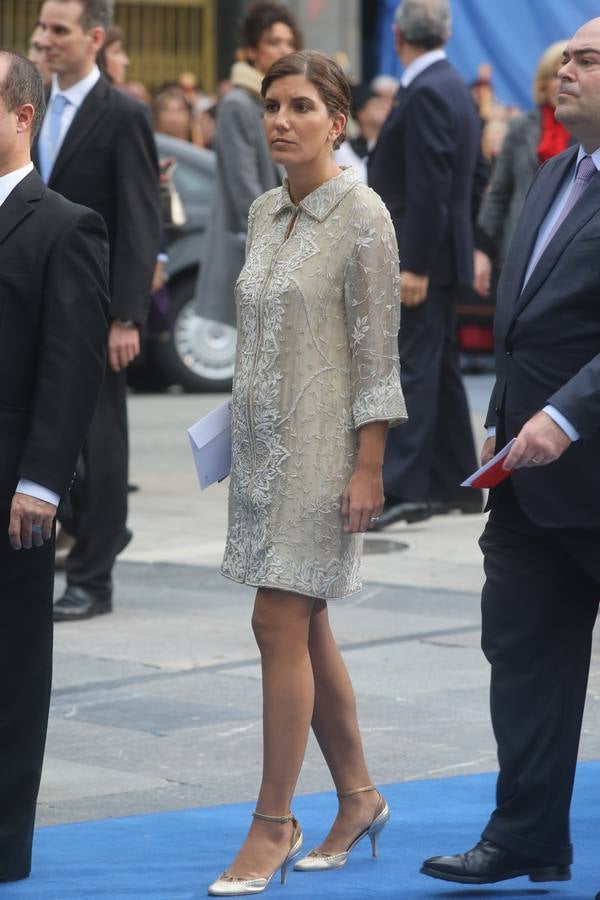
(488, 450)
(30, 522)
(482, 266)
(539, 442)
(413, 288)
(123, 345)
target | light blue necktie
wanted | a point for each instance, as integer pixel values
(48, 149)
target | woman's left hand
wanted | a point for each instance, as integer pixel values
(363, 499)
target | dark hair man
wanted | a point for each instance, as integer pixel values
(541, 544)
(96, 147)
(54, 302)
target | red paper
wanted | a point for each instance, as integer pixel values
(492, 473)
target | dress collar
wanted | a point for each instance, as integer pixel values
(320, 202)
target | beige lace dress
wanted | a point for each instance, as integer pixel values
(317, 357)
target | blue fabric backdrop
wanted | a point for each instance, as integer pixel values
(510, 35)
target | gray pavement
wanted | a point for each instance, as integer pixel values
(158, 705)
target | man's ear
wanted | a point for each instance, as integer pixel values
(97, 35)
(398, 39)
(25, 115)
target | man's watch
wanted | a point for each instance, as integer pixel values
(126, 323)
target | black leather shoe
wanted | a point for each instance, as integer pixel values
(14, 876)
(405, 511)
(78, 603)
(487, 863)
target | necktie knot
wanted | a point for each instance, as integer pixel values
(58, 104)
(586, 169)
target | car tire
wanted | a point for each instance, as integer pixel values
(199, 354)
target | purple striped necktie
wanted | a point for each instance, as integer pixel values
(586, 169)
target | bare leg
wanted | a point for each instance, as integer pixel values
(281, 624)
(336, 728)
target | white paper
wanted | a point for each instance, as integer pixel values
(489, 464)
(210, 440)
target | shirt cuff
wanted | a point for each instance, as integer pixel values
(563, 423)
(32, 489)
(163, 258)
(491, 431)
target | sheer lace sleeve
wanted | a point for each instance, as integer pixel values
(372, 299)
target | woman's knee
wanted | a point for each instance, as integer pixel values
(280, 622)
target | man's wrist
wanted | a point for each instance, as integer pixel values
(39, 491)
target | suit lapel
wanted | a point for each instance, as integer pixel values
(535, 211)
(19, 204)
(93, 107)
(586, 207)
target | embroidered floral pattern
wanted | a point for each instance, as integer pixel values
(317, 357)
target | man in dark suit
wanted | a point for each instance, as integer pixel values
(542, 542)
(428, 169)
(96, 147)
(53, 330)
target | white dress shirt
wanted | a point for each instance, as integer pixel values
(7, 185)
(9, 182)
(544, 230)
(76, 94)
(419, 65)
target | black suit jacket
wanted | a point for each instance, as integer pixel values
(428, 169)
(53, 331)
(548, 348)
(108, 162)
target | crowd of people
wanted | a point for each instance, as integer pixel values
(346, 416)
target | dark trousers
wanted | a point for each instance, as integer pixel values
(26, 582)
(99, 503)
(430, 456)
(539, 605)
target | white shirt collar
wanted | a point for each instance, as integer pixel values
(419, 65)
(9, 182)
(595, 156)
(77, 93)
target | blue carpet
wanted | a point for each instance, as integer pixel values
(173, 856)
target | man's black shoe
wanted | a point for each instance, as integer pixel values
(77, 603)
(405, 511)
(487, 863)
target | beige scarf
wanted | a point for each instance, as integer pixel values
(246, 76)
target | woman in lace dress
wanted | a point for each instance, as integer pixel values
(316, 387)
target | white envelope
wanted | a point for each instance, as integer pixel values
(210, 440)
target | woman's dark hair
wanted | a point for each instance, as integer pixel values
(323, 73)
(261, 16)
(113, 34)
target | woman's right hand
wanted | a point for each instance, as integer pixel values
(483, 273)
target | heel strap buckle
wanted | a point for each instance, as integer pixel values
(280, 820)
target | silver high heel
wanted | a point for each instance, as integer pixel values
(318, 859)
(228, 885)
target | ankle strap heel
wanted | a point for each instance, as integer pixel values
(319, 859)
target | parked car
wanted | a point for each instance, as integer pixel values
(179, 346)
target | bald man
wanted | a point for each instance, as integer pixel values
(542, 542)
